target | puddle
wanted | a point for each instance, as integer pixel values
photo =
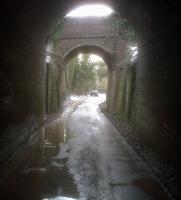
(54, 183)
(41, 176)
(61, 198)
(40, 169)
(54, 135)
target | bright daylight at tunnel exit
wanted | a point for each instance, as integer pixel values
(87, 112)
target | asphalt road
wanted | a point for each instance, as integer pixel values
(81, 156)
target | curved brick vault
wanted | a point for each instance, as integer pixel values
(155, 112)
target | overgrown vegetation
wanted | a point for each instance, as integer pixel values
(82, 75)
(125, 77)
(101, 74)
(123, 29)
(58, 30)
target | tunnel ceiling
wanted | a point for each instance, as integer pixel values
(39, 17)
(25, 26)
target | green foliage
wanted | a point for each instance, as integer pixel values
(127, 61)
(101, 71)
(101, 76)
(58, 30)
(123, 29)
(80, 75)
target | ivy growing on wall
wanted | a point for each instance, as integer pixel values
(123, 29)
(57, 32)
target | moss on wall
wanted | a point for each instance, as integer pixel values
(53, 91)
(124, 95)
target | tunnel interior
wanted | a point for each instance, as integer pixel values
(110, 37)
(144, 96)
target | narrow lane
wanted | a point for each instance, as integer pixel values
(82, 156)
(102, 163)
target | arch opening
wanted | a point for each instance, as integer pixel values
(89, 49)
(111, 38)
(86, 74)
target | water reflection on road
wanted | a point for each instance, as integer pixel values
(60, 198)
(80, 156)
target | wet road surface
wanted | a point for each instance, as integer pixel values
(79, 156)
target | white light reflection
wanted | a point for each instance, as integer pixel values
(48, 50)
(48, 59)
(91, 10)
(134, 52)
(61, 198)
(95, 58)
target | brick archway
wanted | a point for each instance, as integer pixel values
(87, 48)
(91, 35)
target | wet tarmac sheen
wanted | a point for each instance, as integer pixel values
(79, 156)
